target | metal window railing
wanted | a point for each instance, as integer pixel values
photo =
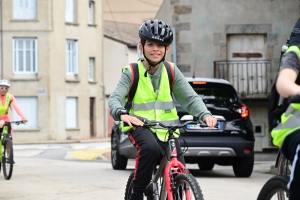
(250, 78)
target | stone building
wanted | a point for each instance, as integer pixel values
(239, 41)
(51, 52)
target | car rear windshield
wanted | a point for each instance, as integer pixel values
(215, 91)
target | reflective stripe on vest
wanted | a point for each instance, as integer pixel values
(154, 105)
(4, 108)
(290, 119)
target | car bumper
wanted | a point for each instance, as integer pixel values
(217, 146)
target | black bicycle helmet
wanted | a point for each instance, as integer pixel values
(156, 31)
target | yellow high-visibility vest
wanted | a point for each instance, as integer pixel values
(153, 105)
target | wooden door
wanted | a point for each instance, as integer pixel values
(247, 71)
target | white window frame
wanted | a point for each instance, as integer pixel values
(22, 63)
(24, 9)
(70, 11)
(91, 17)
(29, 107)
(91, 69)
(71, 112)
(71, 57)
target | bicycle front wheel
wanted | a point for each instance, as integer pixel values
(128, 189)
(275, 188)
(186, 188)
(7, 158)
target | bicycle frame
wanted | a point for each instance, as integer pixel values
(6, 129)
(167, 168)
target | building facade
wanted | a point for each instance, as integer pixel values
(239, 41)
(51, 52)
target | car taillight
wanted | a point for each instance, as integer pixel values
(243, 111)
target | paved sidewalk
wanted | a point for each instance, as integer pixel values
(107, 139)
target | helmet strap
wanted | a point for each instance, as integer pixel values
(153, 64)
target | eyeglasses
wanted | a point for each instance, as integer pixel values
(3, 88)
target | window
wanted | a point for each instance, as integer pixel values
(72, 57)
(213, 92)
(24, 9)
(25, 55)
(71, 112)
(70, 11)
(91, 12)
(29, 106)
(92, 69)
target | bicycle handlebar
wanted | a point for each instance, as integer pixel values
(173, 126)
(14, 122)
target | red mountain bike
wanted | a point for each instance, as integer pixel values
(171, 180)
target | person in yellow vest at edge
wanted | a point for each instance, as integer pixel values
(286, 134)
(7, 99)
(153, 89)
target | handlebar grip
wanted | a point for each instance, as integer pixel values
(294, 99)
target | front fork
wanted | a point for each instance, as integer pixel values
(3, 135)
(174, 167)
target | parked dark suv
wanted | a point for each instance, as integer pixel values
(231, 144)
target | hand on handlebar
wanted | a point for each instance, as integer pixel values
(211, 122)
(2, 122)
(131, 120)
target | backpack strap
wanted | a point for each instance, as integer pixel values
(135, 80)
(171, 73)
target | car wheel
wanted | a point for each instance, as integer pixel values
(118, 161)
(243, 167)
(206, 166)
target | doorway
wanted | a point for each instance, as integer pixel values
(92, 108)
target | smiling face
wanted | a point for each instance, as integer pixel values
(154, 51)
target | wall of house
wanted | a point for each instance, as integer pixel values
(117, 56)
(202, 29)
(202, 26)
(89, 39)
(51, 31)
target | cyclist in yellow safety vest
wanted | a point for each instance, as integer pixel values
(287, 133)
(153, 101)
(7, 100)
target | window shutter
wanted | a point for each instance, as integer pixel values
(71, 112)
(91, 12)
(29, 107)
(75, 57)
(24, 9)
(16, 9)
(69, 10)
(31, 9)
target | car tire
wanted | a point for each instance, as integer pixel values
(118, 161)
(206, 166)
(243, 167)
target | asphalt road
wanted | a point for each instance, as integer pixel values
(82, 170)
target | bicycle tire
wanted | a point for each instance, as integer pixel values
(128, 189)
(275, 185)
(186, 181)
(7, 159)
(284, 165)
